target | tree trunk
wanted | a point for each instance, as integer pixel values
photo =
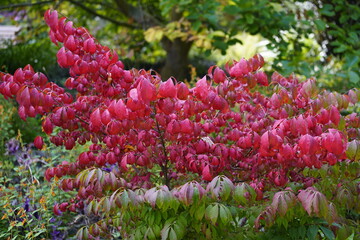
(176, 64)
(177, 51)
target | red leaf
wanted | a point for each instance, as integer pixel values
(182, 91)
(314, 201)
(220, 103)
(167, 89)
(14, 88)
(287, 152)
(275, 101)
(147, 90)
(269, 143)
(19, 75)
(95, 118)
(105, 117)
(240, 68)
(51, 19)
(83, 66)
(70, 43)
(61, 57)
(69, 143)
(89, 45)
(323, 117)
(282, 201)
(34, 96)
(166, 105)
(308, 144)
(113, 128)
(38, 142)
(219, 75)
(83, 158)
(121, 110)
(334, 115)
(47, 126)
(261, 78)
(68, 28)
(110, 158)
(333, 142)
(186, 126)
(116, 71)
(56, 210)
(206, 175)
(202, 89)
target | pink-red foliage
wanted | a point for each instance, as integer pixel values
(225, 124)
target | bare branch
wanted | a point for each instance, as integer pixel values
(28, 4)
(137, 14)
(93, 12)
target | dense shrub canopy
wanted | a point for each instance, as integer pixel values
(141, 130)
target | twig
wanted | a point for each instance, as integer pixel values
(24, 4)
(91, 11)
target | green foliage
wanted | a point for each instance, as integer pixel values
(308, 36)
(225, 211)
(26, 198)
(312, 38)
(338, 212)
(163, 216)
(7, 111)
(11, 124)
(39, 54)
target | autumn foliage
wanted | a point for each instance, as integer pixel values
(235, 122)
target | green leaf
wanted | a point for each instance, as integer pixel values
(327, 10)
(320, 24)
(353, 151)
(221, 45)
(199, 214)
(340, 49)
(328, 233)
(354, 37)
(342, 124)
(172, 235)
(156, 230)
(150, 233)
(179, 229)
(157, 217)
(182, 220)
(196, 25)
(124, 199)
(305, 69)
(138, 234)
(212, 213)
(150, 218)
(79, 234)
(351, 237)
(165, 231)
(153, 34)
(225, 214)
(231, 9)
(354, 77)
(38, 233)
(249, 18)
(351, 60)
(312, 232)
(301, 231)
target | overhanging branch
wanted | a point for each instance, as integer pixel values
(93, 12)
(137, 14)
(24, 4)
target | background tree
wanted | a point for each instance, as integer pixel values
(313, 38)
